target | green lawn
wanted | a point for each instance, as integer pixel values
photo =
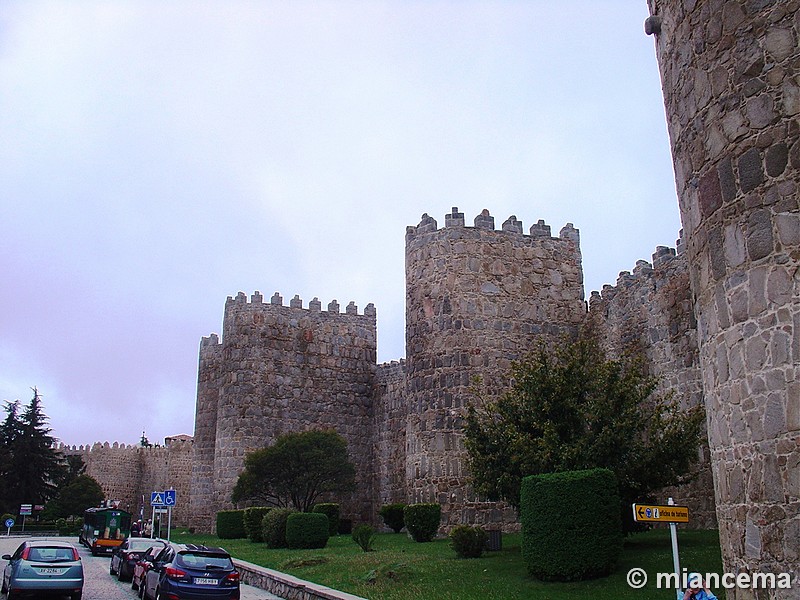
(401, 569)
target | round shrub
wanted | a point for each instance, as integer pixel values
(422, 521)
(273, 527)
(392, 515)
(230, 524)
(468, 542)
(253, 519)
(571, 525)
(307, 530)
(331, 510)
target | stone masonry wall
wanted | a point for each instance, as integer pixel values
(391, 415)
(729, 73)
(476, 299)
(129, 473)
(289, 369)
(649, 314)
(209, 375)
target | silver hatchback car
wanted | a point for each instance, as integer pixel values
(39, 566)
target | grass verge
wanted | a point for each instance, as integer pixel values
(401, 569)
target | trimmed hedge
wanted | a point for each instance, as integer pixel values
(392, 515)
(331, 510)
(422, 521)
(253, 518)
(468, 542)
(307, 530)
(230, 524)
(571, 526)
(273, 527)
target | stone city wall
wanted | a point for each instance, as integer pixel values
(129, 473)
(391, 415)
(649, 314)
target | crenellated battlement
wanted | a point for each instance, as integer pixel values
(256, 300)
(485, 221)
(662, 260)
(173, 442)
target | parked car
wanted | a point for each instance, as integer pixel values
(124, 557)
(144, 563)
(43, 566)
(189, 572)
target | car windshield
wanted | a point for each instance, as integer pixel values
(205, 562)
(50, 554)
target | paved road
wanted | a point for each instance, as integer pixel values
(99, 585)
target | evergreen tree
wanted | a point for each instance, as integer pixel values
(296, 470)
(573, 409)
(31, 464)
(9, 433)
(74, 498)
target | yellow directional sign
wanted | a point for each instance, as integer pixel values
(660, 514)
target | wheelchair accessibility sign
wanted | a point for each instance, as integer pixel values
(165, 498)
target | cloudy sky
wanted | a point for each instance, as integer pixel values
(157, 157)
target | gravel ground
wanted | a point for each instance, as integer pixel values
(99, 585)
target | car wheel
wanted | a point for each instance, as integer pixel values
(76, 596)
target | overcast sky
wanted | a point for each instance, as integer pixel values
(157, 157)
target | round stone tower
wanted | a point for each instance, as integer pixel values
(729, 72)
(476, 299)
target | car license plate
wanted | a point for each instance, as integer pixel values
(204, 581)
(50, 571)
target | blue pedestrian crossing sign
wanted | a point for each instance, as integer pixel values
(169, 497)
(157, 499)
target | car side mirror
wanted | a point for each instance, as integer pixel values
(6, 557)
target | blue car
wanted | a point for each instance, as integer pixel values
(190, 572)
(43, 566)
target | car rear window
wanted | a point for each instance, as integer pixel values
(50, 554)
(140, 545)
(204, 561)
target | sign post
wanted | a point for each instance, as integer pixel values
(170, 496)
(156, 501)
(665, 514)
(9, 525)
(25, 509)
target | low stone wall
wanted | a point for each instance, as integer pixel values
(286, 586)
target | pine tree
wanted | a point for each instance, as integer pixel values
(9, 433)
(31, 464)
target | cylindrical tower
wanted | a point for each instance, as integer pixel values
(729, 72)
(476, 299)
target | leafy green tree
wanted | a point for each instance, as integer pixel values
(74, 498)
(296, 470)
(31, 466)
(572, 408)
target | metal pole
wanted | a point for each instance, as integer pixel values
(676, 561)
(153, 523)
(169, 521)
